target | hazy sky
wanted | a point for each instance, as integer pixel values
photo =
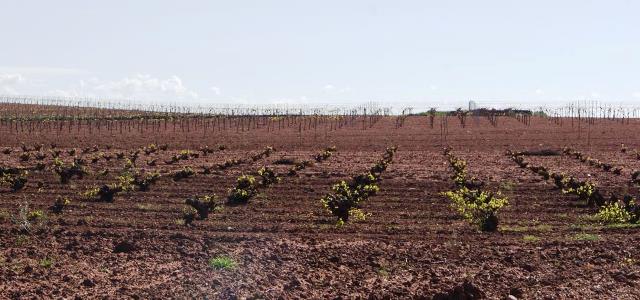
(420, 53)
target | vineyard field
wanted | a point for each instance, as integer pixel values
(86, 224)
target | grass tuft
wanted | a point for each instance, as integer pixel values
(530, 238)
(4, 215)
(507, 185)
(382, 271)
(586, 237)
(46, 263)
(622, 226)
(147, 207)
(222, 263)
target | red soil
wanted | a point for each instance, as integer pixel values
(286, 245)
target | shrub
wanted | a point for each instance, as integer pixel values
(613, 213)
(184, 154)
(40, 156)
(174, 159)
(102, 173)
(379, 167)
(207, 170)
(390, 153)
(25, 156)
(305, 163)
(39, 166)
(203, 205)
(285, 161)
(65, 173)
(79, 161)
(128, 164)
(186, 172)
(365, 185)
(90, 193)
(298, 166)
(143, 182)
(105, 193)
(15, 182)
(55, 153)
(593, 162)
(341, 201)
(125, 182)
(582, 190)
(152, 148)
(520, 161)
(324, 155)
(265, 153)
(189, 215)
(542, 171)
(228, 164)
(634, 177)
(205, 150)
(9, 170)
(356, 214)
(244, 190)
(59, 205)
(459, 167)
(585, 190)
(268, 177)
(133, 157)
(35, 215)
(560, 180)
(626, 210)
(345, 198)
(478, 207)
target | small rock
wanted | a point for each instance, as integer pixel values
(88, 283)
(466, 290)
(516, 292)
(124, 247)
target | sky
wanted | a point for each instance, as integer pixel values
(401, 53)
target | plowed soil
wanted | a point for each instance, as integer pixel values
(285, 245)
